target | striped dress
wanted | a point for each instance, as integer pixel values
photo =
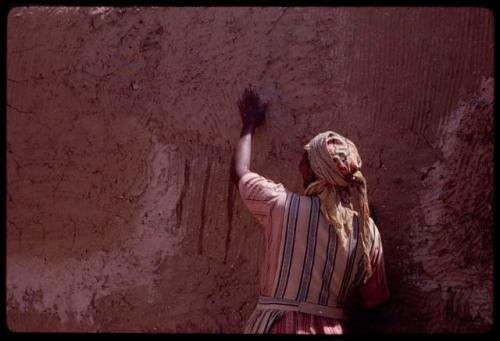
(307, 274)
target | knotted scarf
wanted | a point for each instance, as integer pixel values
(341, 187)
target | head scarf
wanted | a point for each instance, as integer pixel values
(340, 186)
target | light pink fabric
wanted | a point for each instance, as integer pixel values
(294, 322)
(266, 201)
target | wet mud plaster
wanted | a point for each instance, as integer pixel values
(121, 123)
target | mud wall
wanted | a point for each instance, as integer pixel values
(121, 213)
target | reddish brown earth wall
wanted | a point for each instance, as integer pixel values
(121, 215)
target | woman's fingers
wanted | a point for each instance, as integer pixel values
(250, 102)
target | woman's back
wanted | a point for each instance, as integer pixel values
(306, 267)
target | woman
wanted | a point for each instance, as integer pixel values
(320, 246)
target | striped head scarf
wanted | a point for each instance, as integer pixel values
(340, 186)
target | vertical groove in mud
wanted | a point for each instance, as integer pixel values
(180, 204)
(203, 205)
(230, 207)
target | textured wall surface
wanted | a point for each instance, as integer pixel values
(121, 213)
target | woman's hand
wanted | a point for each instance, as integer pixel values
(252, 111)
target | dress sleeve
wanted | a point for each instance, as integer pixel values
(375, 291)
(261, 196)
